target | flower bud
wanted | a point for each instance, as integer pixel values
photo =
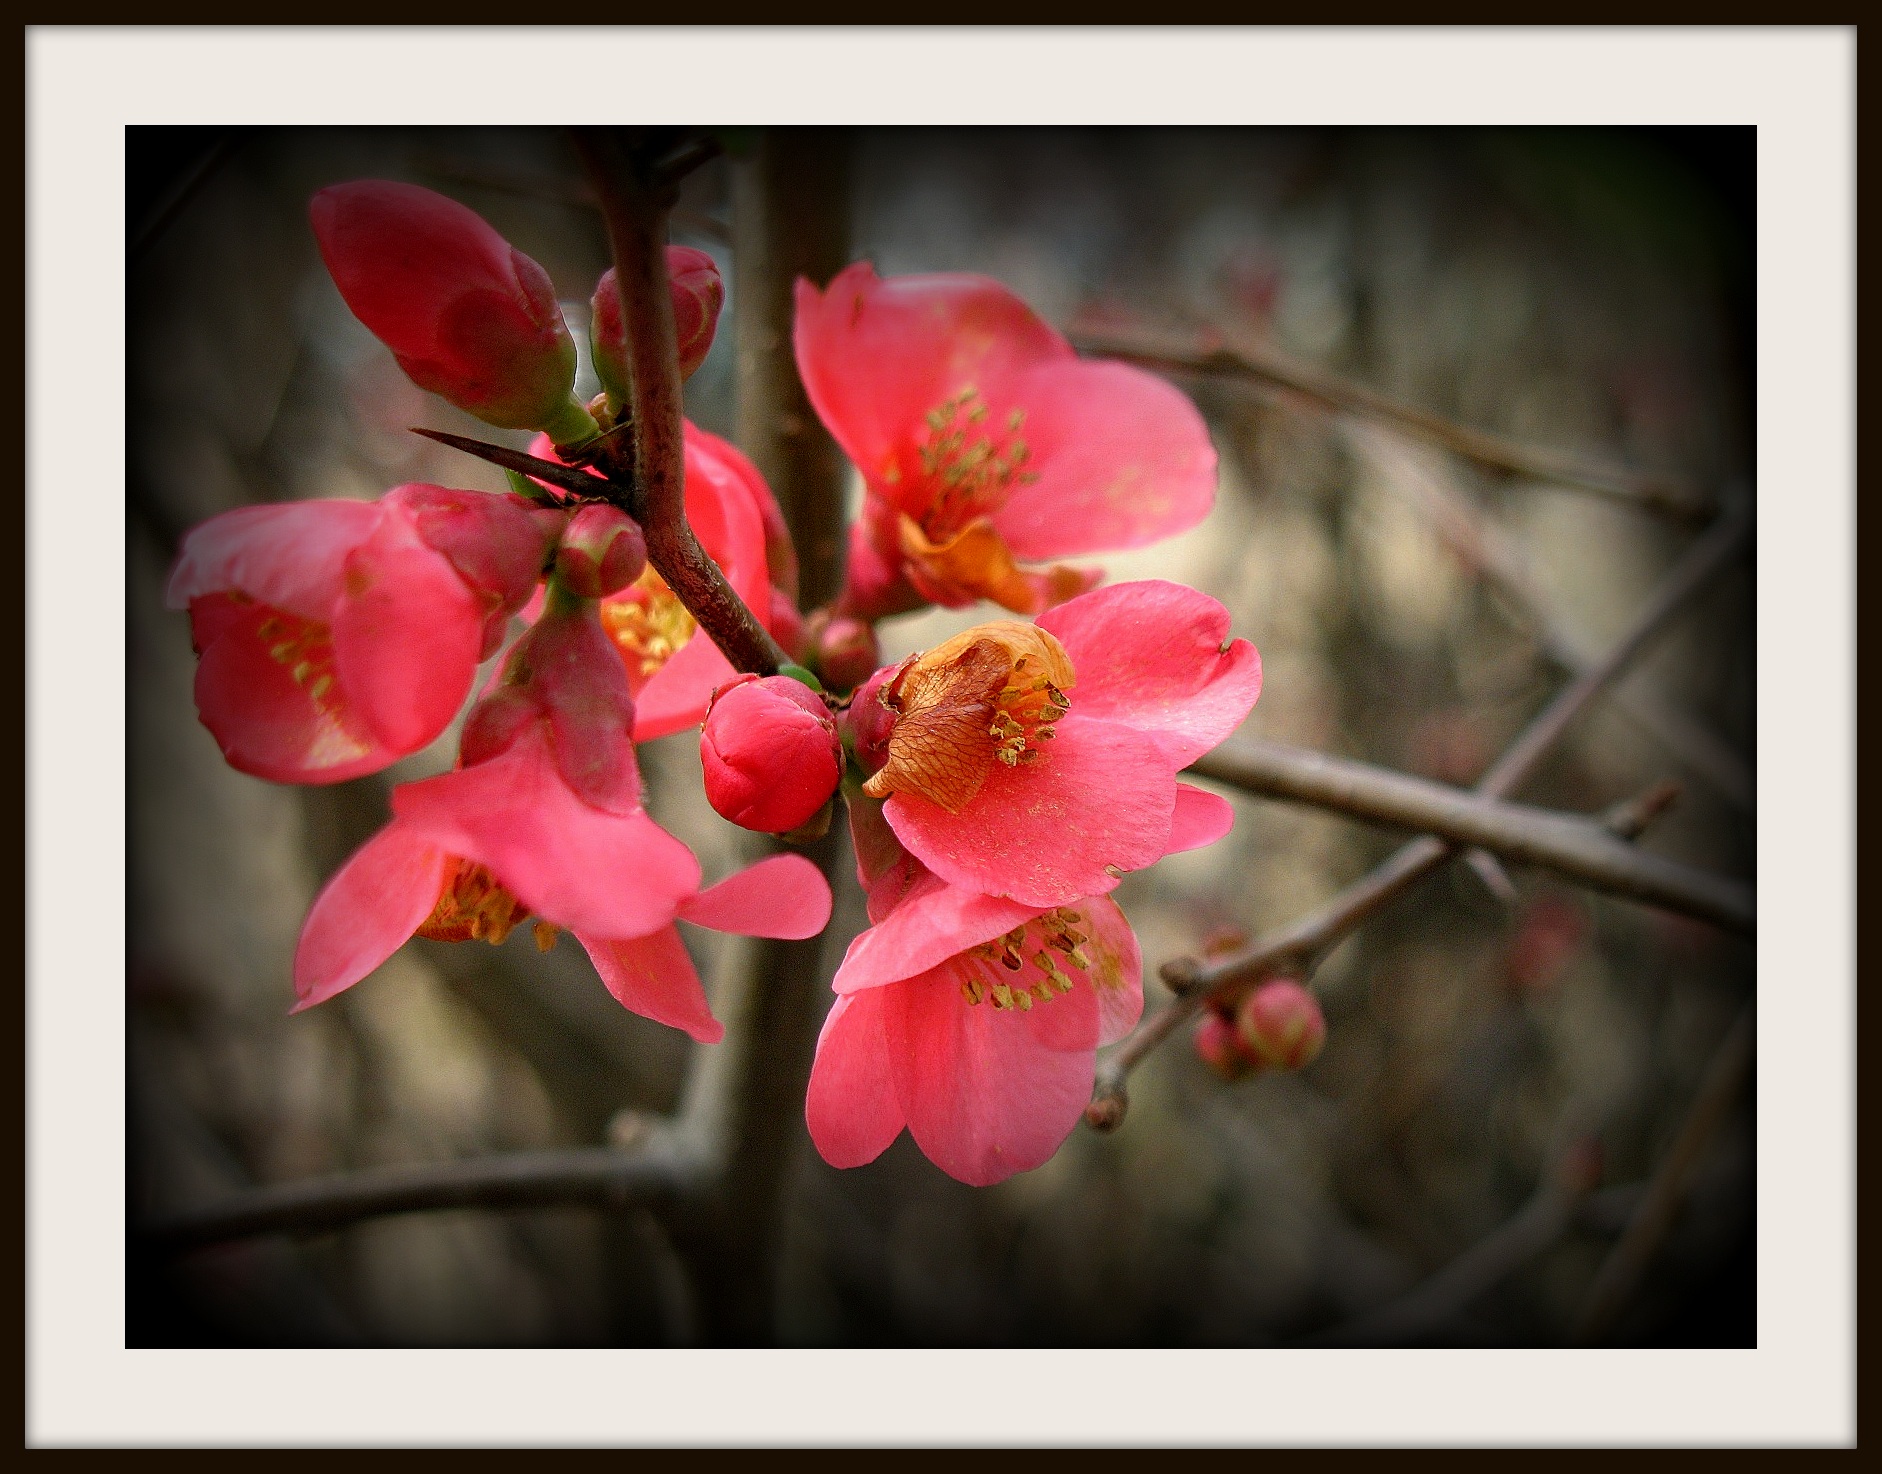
(602, 552)
(868, 723)
(770, 753)
(698, 293)
(840, 649)
(1282, 1025)
(467, 315)
(1221, 1048)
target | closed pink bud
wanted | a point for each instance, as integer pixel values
(467, 315)
(1221, 1048)
(698, 293)
(602, 552)
(867, 723)
(1282, 1025)
(770, 753)
(841, 650)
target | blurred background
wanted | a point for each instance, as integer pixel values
(1584, 291)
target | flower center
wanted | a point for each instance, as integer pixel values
(473, 905)
(970, 473)
(1029, 961)
(992, 692)
(648, 625)
(305, 647)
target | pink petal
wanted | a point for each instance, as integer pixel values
(675, 696)
(876, 356)
(1101, 797)
(984, 1094)
(932, 922)
(1122, 458)
(497, 544)
(1116, 977)
(1201, 819)
(727, 513)
(370, 909)
(783, 896)
(291, 555)
(851, 1107)
(1151, 655)
(263, 719)
(653, 976)
(609, 875)
(407, 635)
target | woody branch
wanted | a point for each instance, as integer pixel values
(1301, 945)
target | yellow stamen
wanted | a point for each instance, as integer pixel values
(473, 905)
(648, 624)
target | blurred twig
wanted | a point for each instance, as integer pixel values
(1582, 849)
(1429, 1306)
(1301, 944)
(533, 1179)
(1621, 1273)
(1479, 543)
(1207, 353)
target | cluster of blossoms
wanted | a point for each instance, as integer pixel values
(998, 785)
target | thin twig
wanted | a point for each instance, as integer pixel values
(1208, 354)
(597, 1176)
(1620, 1274)
(1482, 546)
(1439, 1300)
(1581, 849)
(1300, 944)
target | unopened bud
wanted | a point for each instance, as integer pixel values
(840, 649)
(770, 753)
(601, 553)
(868, 723)
(1221, 1048)
(698, 293)
(1282, 1025)
(467, 315)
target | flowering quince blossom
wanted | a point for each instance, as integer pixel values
(1038, 762)
(338, 636)
(984, 441)
(544, 818)
(466, 314)
(671, 674)
(971, 1019)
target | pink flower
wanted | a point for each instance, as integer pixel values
(466, 314)
(985, 442)
(974, 1020)
(338, 636)
(770, 753)
(544, 820)
(672, 674)
(1038, 762)
(698, 293)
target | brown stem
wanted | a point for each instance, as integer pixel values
(1581, 849)
(1299, 945)
(593, 1175)
(1207, 354)
(1476, 540)
(634, 200)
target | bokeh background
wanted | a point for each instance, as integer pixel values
(1587, 291)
